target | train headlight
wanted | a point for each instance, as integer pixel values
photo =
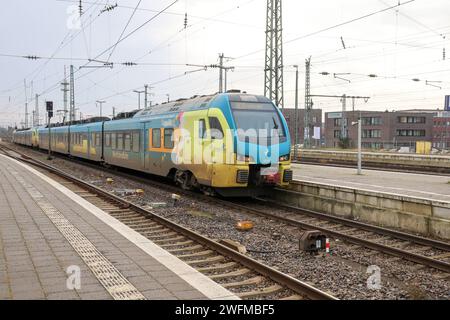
(284, 158)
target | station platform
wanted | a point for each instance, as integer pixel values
(56, 245)
(421, 186)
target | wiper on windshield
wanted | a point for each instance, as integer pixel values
(275, 123)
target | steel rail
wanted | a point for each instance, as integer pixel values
(410, 256)
(269, 272)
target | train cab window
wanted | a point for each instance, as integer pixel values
(127, 142)
(156, 138)
(120, 141)
(168, 138)
(201, 128)
(113, 140)
(108, 140)
(216, 128)
(136, 142)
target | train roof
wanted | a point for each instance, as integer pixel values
(198, 103)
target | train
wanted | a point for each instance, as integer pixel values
(231, 144)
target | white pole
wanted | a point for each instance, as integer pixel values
(359, 147)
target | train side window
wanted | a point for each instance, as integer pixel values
(120, 141)
(136, 142)
(156, 138)
(93, 139)
(216, 128)
(97, 139)
(113, 140)
(201, 128)
(108, 140)
(127, 142)
(168, 138)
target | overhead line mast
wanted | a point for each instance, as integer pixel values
(273, 71)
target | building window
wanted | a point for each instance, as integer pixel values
(337, 122)
(405, 119)
(410, 133)
(367, 133)
(168, 138)
(156, 138)
(371, 121)
(337, 133)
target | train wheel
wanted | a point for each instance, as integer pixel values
(185, 179)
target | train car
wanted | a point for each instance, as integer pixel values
(124, 145)
(220, 143)
(234, 144)
(23, 137)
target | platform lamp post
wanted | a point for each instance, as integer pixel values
(49, 107)
(101, 106)
(359, 171)
(139, 97)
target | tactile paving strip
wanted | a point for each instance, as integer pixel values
(111, 278)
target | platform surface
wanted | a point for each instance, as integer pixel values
(47, 232)
(407, 184)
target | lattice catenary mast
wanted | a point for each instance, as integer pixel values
(273, 78)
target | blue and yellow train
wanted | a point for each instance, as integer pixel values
(234, 144)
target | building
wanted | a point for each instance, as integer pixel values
(441, 130)
(316, 119)
(380, 130)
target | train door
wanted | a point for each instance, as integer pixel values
(154, 149)
(143, 140)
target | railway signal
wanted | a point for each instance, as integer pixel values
(49, 107)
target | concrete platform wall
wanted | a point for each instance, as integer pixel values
(421, 216)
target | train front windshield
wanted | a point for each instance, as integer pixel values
(257, 122)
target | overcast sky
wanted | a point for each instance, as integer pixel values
(396, 45)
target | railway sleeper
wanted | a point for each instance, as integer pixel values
(152, 232)
(174, 239)
(195, 254)
(133, 220)
(260, 292)
(247, 282)
(236, 273)
(206, 260)
(191, 248)
(176, 244)
(293, 297)
(218, 267)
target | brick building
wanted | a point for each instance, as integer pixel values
(441, 130)
(316, 119)
(380, 130)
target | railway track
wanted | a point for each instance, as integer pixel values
(242, 275)
(423, 251)
(376, 166)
